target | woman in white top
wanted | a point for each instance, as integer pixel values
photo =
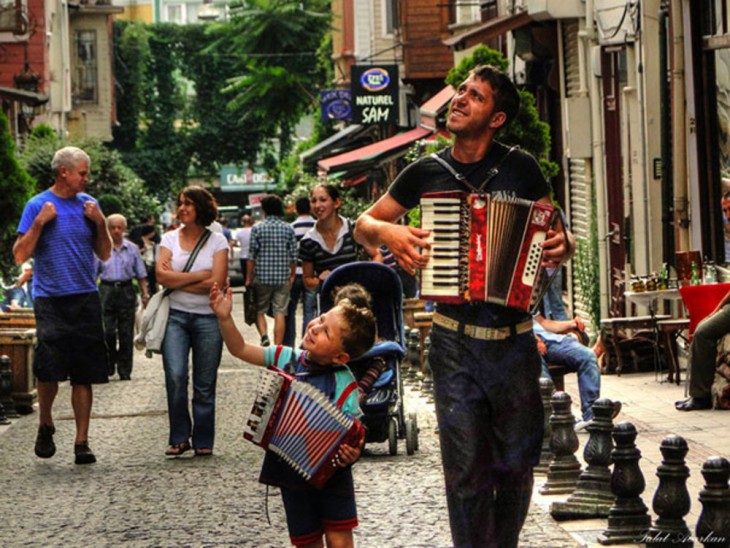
(191, 324)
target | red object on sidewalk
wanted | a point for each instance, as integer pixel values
(701, 300)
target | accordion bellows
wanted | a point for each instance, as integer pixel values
(484, 249)
(297, 421)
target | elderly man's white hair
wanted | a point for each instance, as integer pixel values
(68, 157)
(116, 217)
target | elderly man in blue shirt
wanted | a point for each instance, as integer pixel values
(118, 297)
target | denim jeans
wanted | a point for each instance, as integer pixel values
(309, 305)
(490, 426)
(199, 332)
(703, 352)
(581, 360)
(552, 301)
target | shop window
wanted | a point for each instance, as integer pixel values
(86, 81)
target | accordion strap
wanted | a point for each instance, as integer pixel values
(491, 174)
(349, 389)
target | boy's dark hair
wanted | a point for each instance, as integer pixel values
(302, 205)
(206, 208)
(358, 333)
(355, 293)
(506, 96)
(272, 206)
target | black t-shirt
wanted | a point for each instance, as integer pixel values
(518, 176)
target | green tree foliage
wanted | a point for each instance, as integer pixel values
(279, 41)
(16, 187)
(526, 130)
(109, 176)
(132, 51)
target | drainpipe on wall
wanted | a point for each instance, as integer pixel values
(679, 143)
(666, 138)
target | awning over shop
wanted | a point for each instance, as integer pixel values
(374, 152)
(486, 31)
(23, 96)
(431, 109)
(349, 137)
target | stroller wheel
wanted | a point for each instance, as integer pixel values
(393, 436)
(411, 437)
(412, 431)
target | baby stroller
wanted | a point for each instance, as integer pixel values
(383, 409)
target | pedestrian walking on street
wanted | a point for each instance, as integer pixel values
(485, 380)
(63, 228)
(118, 297)
(301, 225)
(271, 267)
(191, 325)
(345, 332)
(329, 243)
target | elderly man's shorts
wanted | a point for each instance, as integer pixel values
(70, 340)
(275, 295)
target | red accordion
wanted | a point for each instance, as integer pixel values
(484, 249)
(297, 421)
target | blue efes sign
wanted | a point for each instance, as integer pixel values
(336, 104)
(374, 94)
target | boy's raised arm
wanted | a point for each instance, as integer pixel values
(221, 301)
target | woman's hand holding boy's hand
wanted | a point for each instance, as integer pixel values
(221, 301)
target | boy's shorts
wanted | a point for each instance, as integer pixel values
(70, 337)
(274, 296)
(310, 512)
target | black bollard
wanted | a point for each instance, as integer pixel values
(6, 388)
(713, 527)
(592, 497)
(547, 388)
(628, 518)
(564, 469)
(3, 419)
(671, 501)
(414, 352)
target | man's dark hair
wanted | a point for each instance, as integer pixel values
(302, 206)
(206, 208)
(272, 206)
(358, 331)
(506, 96)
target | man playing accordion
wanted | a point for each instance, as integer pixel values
(485, 363)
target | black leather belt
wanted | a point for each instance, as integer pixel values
(125, 283)
(483, 333)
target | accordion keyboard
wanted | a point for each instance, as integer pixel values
(443, 217)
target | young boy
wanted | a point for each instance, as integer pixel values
(330, 341)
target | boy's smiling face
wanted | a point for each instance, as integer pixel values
(323, 338)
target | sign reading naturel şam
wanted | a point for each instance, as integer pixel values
(374, 94)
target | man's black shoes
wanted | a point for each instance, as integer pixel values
(44, 446)
(693, 404)
(83, 453)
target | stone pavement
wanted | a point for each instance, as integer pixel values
(135, 496)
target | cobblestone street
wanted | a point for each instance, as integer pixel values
(135, 496)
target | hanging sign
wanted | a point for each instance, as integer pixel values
(374, 94)
(335, 104)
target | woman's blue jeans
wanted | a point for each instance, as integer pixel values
(199, 333)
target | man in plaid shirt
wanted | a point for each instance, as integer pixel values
(271, 267)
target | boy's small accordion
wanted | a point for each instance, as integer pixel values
(297, 421)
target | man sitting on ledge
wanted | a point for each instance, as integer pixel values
(703, 356)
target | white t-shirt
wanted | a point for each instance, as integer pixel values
(182, 300)
(244, 240)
